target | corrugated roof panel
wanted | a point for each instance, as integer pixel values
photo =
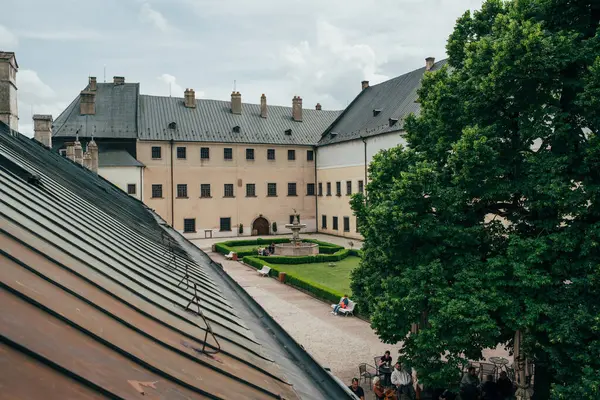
(395, 98)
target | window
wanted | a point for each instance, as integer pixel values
(328, 188)
(225, 224)
(292, 218)
(205, 190)
(346, 224)
(204, 153)
(338, 188)
(270, 154)
(324, 221)
(335, 223)
(292, 189)
(236, 129)
(189, 225)
(156, 191)
(228, 153)
(228, 190)
(361, 187)
(291, 155)
(249, 154)
(320, 189)
(271, 189)
(182, 190)
(63, 152)
(156, 152)
(310, 155)
(181, 153)
(348, 188)
(250, 190)
(131, 188)
(310, 189)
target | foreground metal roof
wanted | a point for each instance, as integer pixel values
(100, 299)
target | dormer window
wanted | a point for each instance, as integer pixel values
(172, 125)
(236, 129)
(288, 131)
(376, 112)
(393, 121)
(333, 134)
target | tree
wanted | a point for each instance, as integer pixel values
(488, 222)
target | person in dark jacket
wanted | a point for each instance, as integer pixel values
(489, 389)
(505, 386)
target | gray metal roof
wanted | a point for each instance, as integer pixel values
(117, 158)
(116, 110)
(394, 98)
(212, 121)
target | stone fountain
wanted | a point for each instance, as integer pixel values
(296, 247)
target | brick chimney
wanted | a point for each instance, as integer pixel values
(93, 84)
(87, 102)
(78, 152)
(42, 128)
(119, 80)
(92, 149)
(236, 103)
(297, 108)
(318, 107)
(189, 98)
(364, 84)
(429, 61)
(263, 106)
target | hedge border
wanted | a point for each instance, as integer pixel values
(315, 289)
(229, 246)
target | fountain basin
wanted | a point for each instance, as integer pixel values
(296, 249)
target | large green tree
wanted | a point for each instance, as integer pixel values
(488, 221)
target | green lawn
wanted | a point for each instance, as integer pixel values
(336, 278)
(248, 247)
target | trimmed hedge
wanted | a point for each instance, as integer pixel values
(316, 289)
(229, 246)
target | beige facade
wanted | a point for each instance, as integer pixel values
(209, 209)
(334, 209)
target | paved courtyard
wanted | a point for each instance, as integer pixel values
(340, 343)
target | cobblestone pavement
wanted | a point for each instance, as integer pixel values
(337, 342)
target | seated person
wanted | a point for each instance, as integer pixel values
(272, 248)
(402, 380)
(385, 368)
(378, 389)
(343, 304)
(357, 390)
(505, 386)
(489, 389)
(469, 385)
(447, 395)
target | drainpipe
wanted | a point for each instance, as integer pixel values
(172, 190)
(364, 140)
(316, 193)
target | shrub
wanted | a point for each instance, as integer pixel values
(241, 228)
(337, 256)
(324, 248)
(274, 227)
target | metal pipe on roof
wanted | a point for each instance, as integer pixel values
(172, 188)
(364, 140)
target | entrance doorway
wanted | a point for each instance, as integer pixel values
(260, 226)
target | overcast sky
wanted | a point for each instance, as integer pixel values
(318, 49)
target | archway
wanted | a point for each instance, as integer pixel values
(260, 226)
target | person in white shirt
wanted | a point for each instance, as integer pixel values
(402, 380)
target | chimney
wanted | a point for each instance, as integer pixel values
(263, 106)
(236, 103)
(92, 84)
(92, 149)
(189, 98)
(364, 84)
(119, 80)
(78, 152)
(87, 160)
(429, 61)
(318, 107)
(297, 108)
(70, 151)
(42, 128)
(87, 102)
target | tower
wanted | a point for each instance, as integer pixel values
(8, 89)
